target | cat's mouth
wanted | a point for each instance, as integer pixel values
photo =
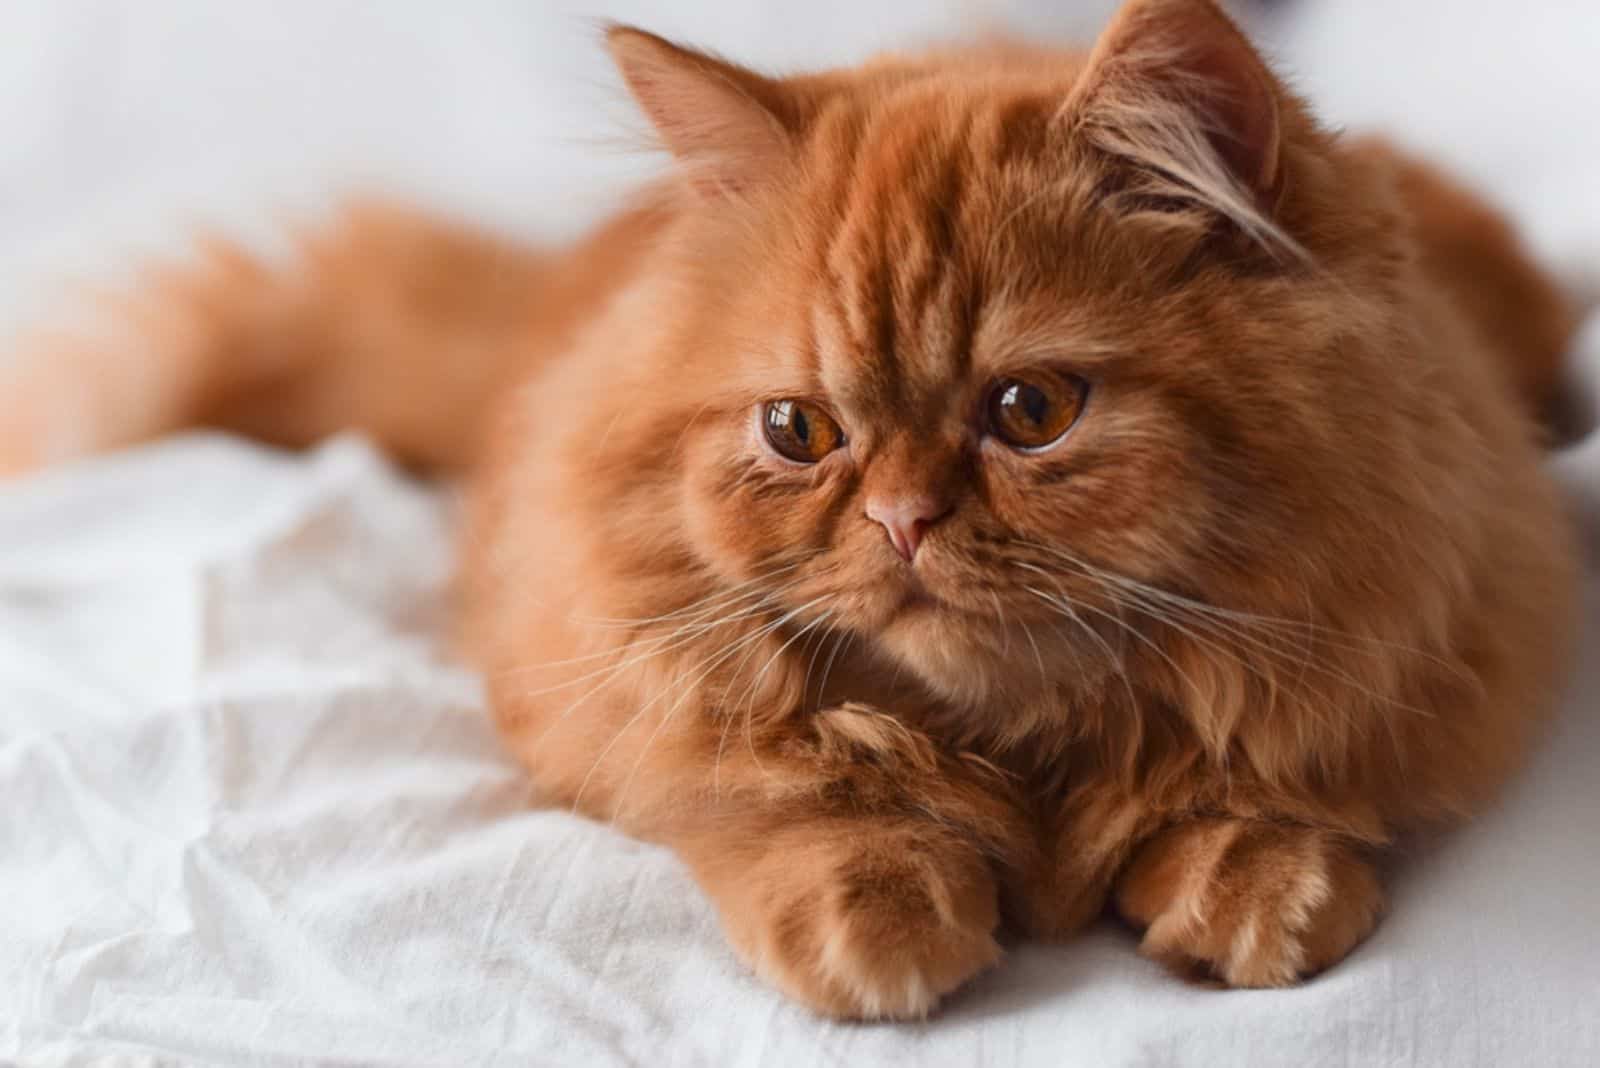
(918, 601)
(914, 594)
(907, 597)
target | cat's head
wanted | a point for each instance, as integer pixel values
(982, 337)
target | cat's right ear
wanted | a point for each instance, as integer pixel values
(730, 128)
(1178, 94)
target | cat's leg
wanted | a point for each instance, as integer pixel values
(1086, 840)
(858, 915)
(854, 865)
(1249, 902)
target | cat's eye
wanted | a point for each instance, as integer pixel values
(1034, 410)
(800, 431)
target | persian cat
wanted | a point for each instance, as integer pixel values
(974, 490)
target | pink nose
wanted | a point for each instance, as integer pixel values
(906, 519)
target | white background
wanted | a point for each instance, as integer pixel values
(251, 816)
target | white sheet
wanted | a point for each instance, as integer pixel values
(255, 817)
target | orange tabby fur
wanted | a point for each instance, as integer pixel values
(1294, 585)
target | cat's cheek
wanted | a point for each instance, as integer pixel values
(742, 507)
(711, 480)
(711, 537)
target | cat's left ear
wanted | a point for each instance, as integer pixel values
(1177, 90)
(730, 128)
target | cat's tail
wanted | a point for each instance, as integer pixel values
(386, 321)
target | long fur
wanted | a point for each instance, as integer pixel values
(1294, 585)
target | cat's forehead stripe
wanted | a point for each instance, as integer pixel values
(900, 284)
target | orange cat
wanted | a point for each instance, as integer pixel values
(978, 487)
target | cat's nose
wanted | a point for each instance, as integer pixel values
(906, 519)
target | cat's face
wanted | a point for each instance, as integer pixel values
(974, 377)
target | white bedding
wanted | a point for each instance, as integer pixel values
(255, 816)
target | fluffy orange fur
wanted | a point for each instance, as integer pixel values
(1294, 583)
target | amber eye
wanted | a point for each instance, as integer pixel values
(1034, 410)
(800, 431)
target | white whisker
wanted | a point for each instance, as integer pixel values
(741, 643)
(756, 682)
(1219, 624)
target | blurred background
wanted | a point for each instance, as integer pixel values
(217, 667)
(126, 124)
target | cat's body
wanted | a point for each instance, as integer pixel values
(1289, 582)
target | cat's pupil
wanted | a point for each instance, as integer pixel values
(1035, 405)
(800, 426)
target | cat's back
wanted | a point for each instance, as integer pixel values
(1471, 256)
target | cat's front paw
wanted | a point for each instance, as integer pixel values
(866, 923)
(1251, 904)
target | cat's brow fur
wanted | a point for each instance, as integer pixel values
(1294, 585)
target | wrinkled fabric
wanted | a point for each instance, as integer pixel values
(255, 815)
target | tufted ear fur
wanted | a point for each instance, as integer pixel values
(1177, 91)
(729, 127)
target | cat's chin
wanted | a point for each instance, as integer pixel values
(952, 650)
(944, 659)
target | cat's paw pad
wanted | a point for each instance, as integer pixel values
(871, 927)
(1248, 904)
